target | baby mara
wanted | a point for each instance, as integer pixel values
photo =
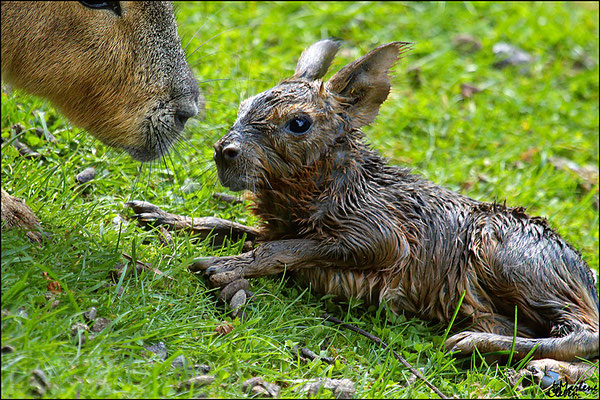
(334, 212)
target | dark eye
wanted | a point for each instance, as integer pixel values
(299, 125)
(114, 6)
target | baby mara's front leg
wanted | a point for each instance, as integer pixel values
(267, 259)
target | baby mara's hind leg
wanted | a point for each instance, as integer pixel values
(489, 334)
(497, 336)
(547, 371)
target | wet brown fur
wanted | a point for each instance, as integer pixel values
(344, 220)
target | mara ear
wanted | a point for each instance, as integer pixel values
(364, 84)
(315, 60)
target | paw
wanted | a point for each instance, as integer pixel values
(461, 342)
(147, 213)
(203, 263)
(235, 295)
(230, 290)
(539, 372)
(148, 218)
(220, 270)
(143, 207)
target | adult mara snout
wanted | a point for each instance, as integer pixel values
(165, 120)
(119, 72)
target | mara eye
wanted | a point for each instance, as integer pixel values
(299, 125)
(114, 6)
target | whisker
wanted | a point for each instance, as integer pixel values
(209, 170)
(202, 26)
(218, 34)
(220, 79)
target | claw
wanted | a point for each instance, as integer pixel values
(211, 270)
(549, 379)
(232, 288)
(201, 264)
(222, 279)
(147, 217)
(139, 206)
(540, 372)
(535, 370)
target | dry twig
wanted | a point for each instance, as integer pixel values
(142, 265)
(375, 339)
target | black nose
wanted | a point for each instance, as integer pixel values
(227, 153)
(231, 152)
(182, 114)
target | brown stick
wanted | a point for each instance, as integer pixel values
(311, 355)
(146, 266)
(24, 150)
(375, 339)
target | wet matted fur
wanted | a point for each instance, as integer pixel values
(345, 221)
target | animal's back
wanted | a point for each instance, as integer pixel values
(498, 255)
(522, 261)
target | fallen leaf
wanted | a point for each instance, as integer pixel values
(8, 349)
(259, 386)
(100, 324)
(200, 380)
(91, 314)
(52, 286)
(510, 55)
(224, 328)
(528, 154)
(86, 175)
(38, 382)
(342, 388)
(467, 91)
(588, 173)
(78, 333)
(466, 43)
(160, 349)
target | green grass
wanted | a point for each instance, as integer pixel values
(475, 146)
